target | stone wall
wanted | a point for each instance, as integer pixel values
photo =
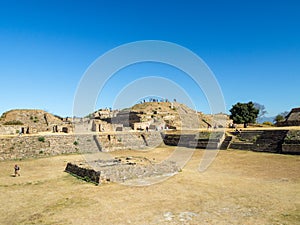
(275, 141)
(87, 174)
(9, 130)
(291, 142)
(210, 140)
(129, 140)
(29, 146)
(291, 148)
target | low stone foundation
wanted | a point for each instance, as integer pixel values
(202, 140)
(87, 174)
(120, 169)
(291, 148)
(241, 146)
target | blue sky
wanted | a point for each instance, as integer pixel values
(252, 47)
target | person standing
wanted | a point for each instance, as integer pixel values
(17, 169)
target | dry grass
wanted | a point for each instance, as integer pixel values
(239, 188)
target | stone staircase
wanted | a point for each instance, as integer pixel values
(225, 144)
(188, 118)
(87, 143)
(244, 140)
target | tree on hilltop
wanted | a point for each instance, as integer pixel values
(244, 113)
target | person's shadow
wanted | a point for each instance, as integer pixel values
(13, 175)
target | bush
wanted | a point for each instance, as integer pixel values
(41, 139)
(268, 123)
(13, 122)
(75, 143)
(87, 179)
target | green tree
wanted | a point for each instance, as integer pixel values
(244, 113)
(281, 117)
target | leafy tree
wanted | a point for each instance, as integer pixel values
(261, 108)
(281, 117)
(244, 113)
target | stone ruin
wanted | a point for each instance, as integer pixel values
(33, 121)
(120, 169)
(292, 119)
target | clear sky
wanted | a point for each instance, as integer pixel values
(252, 47)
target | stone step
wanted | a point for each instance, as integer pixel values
(241, 146)
(226, 143)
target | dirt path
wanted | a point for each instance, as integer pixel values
(239, 188)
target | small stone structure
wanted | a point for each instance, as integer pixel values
(120, 169)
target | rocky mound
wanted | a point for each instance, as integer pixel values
(176, 115)
(37, 120)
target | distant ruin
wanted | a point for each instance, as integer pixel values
(36, 133)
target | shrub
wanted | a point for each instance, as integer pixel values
(87, 179)
(41, 139)
(13, 122)
(75, 143)
(268, 123)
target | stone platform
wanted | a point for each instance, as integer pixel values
(120, 169)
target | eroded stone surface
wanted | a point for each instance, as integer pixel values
(121, 169)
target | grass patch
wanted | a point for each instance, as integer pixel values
(41, 139)
(86, 179)
(13, 122)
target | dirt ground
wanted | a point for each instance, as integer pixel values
(240, 187)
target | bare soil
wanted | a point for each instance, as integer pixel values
(240, 187)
